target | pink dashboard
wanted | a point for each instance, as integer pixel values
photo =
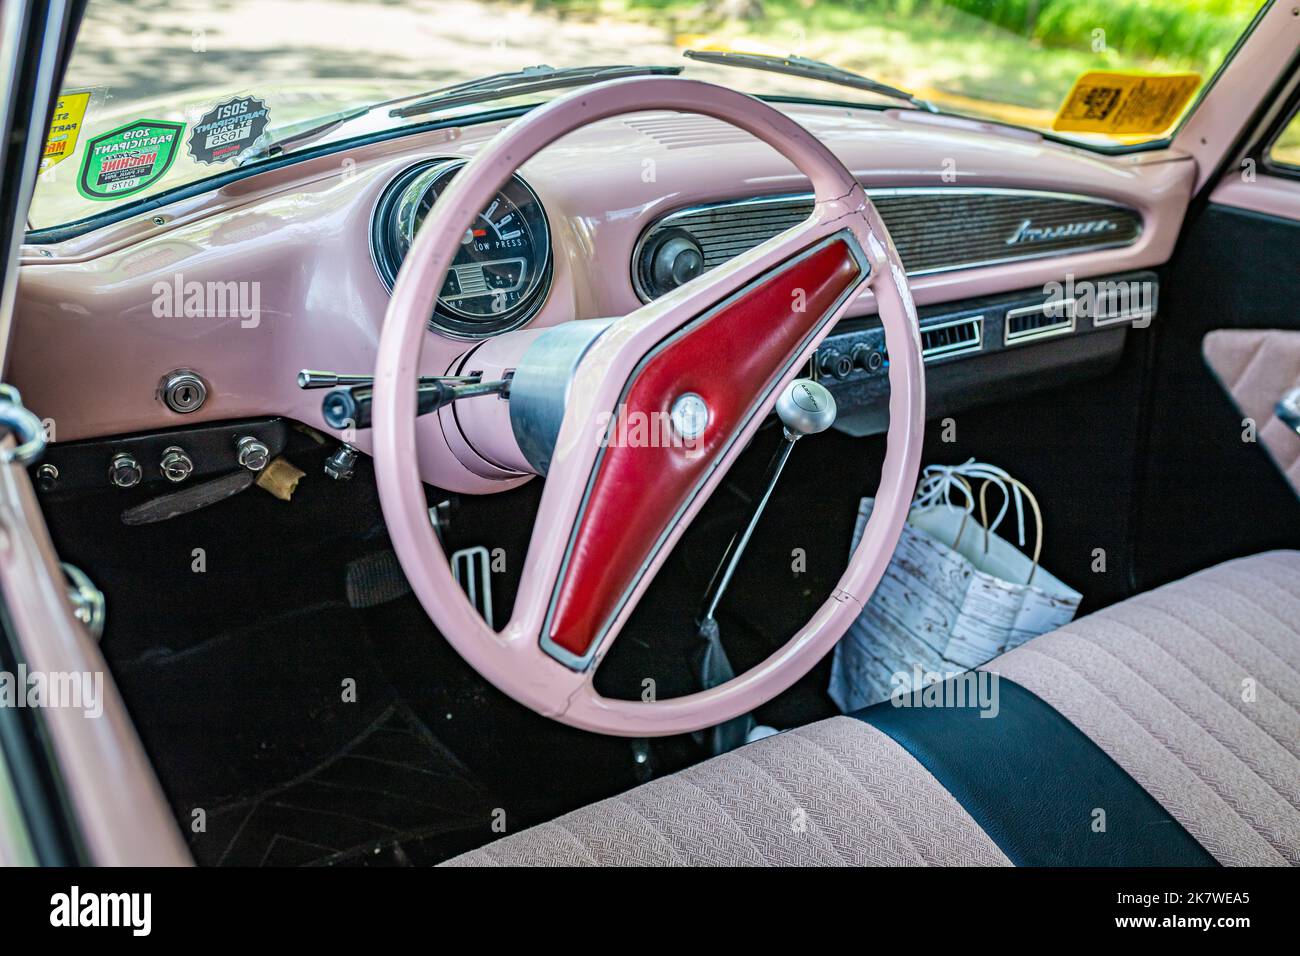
(102, 313)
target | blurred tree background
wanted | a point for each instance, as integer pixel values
(1009, 59)
(1186, 31)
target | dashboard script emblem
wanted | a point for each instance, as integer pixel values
(1028, 232)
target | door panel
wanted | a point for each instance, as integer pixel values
(79, 780)
(1208, 492)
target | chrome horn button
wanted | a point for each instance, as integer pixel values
(690, 415)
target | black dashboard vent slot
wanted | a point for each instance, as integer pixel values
(954, 337)
(1039, 321)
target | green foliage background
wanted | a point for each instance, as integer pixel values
(1176, 31)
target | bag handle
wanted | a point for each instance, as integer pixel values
(966, 512)
(1033, 504)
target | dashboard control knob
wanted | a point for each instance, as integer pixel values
(806, 408)
(674, 261)
(867, 358)
(835, 363)
(253, 454)
(184, 392)
(342, 465)
(176, 466)
(125, 471)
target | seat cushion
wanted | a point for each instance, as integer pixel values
(1192, 690)
(835, 792)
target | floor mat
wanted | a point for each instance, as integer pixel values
(394, 795)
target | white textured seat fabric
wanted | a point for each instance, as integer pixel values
(1194, 689)
(836, 792)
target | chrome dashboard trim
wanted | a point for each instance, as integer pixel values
(671, 219)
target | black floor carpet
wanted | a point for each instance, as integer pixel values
(393, 795)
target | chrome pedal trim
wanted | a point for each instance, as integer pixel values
(472, 569)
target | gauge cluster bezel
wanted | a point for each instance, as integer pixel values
(391, 223)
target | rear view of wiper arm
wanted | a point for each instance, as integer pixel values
(532, 79)
(811, 70)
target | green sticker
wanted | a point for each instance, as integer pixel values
(124, 161)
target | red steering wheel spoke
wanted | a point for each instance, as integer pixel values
(712, 369)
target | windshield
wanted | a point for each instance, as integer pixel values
(163, 93)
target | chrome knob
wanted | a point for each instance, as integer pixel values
(176, 466)
(125, 471)
(806, 408)
(342, 465)
(253, 454)
(47, 477)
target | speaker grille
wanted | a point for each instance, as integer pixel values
(934, 229)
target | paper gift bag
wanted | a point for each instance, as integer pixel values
(955, 595)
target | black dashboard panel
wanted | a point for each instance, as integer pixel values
(989, 349)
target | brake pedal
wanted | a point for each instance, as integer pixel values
(375, 579)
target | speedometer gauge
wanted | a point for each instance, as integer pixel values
(503, 269)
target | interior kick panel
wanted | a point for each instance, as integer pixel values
(989, 349)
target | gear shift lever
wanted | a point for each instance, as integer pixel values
(805, 408)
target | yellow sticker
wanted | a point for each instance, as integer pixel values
(1126, 103)
(64, 128)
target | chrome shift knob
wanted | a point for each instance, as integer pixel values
(806, 408)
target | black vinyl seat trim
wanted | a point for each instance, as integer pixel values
(1033, 781)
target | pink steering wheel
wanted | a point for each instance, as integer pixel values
(611, 509)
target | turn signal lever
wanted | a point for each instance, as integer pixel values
(349, 406)
(310, 378)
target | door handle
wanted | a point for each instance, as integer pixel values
(1288, 409)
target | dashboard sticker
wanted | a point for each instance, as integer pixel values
(128, 159)
(1126, 103)
(226, 130)
(69, 113)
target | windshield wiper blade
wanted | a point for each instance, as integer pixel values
(532, 79)
(809, 69)
(297, 134)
